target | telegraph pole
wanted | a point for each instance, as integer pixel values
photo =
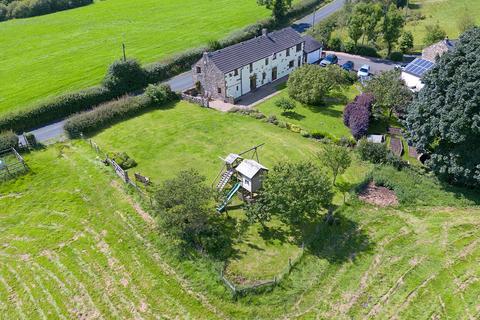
(313, 22)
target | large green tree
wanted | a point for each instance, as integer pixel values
(390, 93)
(295, 192)
(184, 207)
(311, 83)
(336, 158)
(393, 22)
(279, 7)
(444, 119)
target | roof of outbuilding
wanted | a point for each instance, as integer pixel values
(311, 44)
(419, 67)
(249, 168)
(244, 53)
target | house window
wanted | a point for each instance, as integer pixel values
(219, 90)
(251, 67)
(235, 72)
(237, 88)
(288, 52)
(266, 61)
(274, 56)
(291, 64)
(299, 47)
(199, 70)
(264, 76)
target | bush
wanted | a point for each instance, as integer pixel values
(272, 119)
(373, 152)
(124, 76)
(335, 44)
(396, 56)
(8, 140)
(110, 113)
(364, 50)
(356, 114)
(285, 104)
(160, 94)
(434, 33)
(31, 8)
(123, 160)
(395, 161)
(305, 133)
(31, 140)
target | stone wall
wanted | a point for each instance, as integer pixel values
(211, 79)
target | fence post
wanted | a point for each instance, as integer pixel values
(127, 179)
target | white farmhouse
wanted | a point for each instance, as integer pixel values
(229, 73)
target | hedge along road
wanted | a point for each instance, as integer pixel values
(54, 131)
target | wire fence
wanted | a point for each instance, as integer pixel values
(261, 286)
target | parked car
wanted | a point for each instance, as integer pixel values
(364, 71)
(329, 59)
(348, 66)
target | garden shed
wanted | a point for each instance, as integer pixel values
(251, 174)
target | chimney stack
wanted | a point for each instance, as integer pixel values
(205, 56)
(264, 31)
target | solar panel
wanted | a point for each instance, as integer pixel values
(418, 67)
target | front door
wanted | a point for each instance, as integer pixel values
(253, 83)
(274, 74)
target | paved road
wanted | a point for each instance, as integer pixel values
(184, 81)
(322, 13)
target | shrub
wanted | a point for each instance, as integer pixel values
(364, 50)
(434, 33)
(110, 113)
(335, 44)
(31, 139)
(282, 124)
(124, 76)
(293, 127)
(395, 161)
(272, 119)
(317, 135)
(8, 140)
(373, 152)
(160, 94)
(123, 160)
(396, 56)
(3, 12)
(356, 114)
(406, 42)
(285, 104)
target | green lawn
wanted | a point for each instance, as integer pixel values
(73, 245)
(56, 53)
(326, 118)
(447, 13)
(187, 136)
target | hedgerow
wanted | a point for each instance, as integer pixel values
(115, 111)
(31, 8)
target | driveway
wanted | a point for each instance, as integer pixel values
(377, 65)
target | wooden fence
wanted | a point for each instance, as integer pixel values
(123, 174)
(237, 290)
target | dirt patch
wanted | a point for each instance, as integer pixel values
(379, 196)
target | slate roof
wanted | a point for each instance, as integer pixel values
(244, 53)
(419, 67)
(249, 168)
(311, 44)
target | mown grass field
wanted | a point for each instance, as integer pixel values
(324, 118)
(73, 245)
(447, 13)
(56, 53)
(74, 248)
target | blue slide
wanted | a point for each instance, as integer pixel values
(229, 197)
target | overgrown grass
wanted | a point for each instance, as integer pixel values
(324, 118)
(71, 50)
